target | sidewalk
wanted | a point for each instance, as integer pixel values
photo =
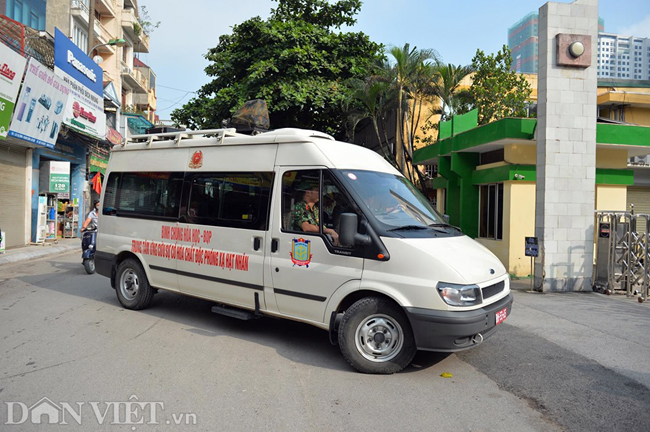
(22, 253)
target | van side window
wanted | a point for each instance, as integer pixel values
(300, 199)
(335, 202)
(313, 204)
(238, 200)
(144, 194)
(110, 195)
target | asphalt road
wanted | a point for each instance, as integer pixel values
(556, 364)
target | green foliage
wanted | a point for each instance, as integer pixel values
(144, 22)
(497, 90)
(293, 60)
(397, 88)
(453, 101)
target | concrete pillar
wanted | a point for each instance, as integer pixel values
(566, 146)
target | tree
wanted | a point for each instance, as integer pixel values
(295, 61)
(497, 90)
(413, 76)
(144, 23)
(451, 98)
(377, 100)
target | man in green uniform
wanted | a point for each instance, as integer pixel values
(305, 215)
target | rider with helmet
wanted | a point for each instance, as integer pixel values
(91, 220)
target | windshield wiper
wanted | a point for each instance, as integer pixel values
(409, 227)
(444, 225)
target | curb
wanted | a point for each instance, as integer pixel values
(33, 252)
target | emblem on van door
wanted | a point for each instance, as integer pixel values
(197, 159)
(301, 252)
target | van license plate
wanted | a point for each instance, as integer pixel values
(501, 315)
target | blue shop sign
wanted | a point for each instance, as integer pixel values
(73, 61)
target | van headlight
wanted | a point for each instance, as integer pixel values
(459, 295)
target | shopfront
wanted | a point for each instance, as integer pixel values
(14, 167)
(58, 182)
(14, 158)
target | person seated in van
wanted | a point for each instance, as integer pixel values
(305, 215)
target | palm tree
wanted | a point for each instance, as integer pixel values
(446, 87)
(413, 73)
(374, 94)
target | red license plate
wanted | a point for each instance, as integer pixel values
(501, 315)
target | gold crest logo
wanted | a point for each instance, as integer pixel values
(197, 159)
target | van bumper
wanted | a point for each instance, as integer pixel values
(104, 263)
(450, 331)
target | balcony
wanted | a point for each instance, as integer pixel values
(26, 41)
(128, 21)
(106, 7)
(146, 102)
(134, 31)
(142, 44)
(134, 79)
(78, 8)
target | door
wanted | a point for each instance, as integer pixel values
(224, 219)
(307, 264)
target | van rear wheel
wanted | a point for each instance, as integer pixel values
(133, 289)
(376, 337)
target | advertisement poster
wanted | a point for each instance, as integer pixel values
(59, 177)
(40, 106)
(12, 67)
(84, 111)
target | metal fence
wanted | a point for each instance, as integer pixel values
(27, 41)
(622, 253)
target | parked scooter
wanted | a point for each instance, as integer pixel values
(88, 248)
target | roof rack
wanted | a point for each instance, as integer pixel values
(220, 134)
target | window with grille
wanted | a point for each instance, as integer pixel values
(491, 211)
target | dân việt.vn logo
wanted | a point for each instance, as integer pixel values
(132, 412)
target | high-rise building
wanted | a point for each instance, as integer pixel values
(623, 57)
(522, 41)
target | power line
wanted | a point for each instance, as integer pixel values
(172, 88)
(174, 104)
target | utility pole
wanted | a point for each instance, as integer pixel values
(91, 26)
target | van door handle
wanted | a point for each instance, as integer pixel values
(257, 243)
(274, 245)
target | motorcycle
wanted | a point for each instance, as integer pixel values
(88, 248)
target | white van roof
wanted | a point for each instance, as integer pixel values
(278, 136)
(297, 146)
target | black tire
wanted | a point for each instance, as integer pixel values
(392, 346)
(89, 265)
(132, 286)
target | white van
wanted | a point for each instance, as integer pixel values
(294, 224)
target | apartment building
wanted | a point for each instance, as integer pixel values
(624, 57)
(522, 41)
(104, 37)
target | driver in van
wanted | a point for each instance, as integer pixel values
(305, 215)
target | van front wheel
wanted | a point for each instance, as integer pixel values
(376, 337)
(133, 289)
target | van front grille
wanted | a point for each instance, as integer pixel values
(495, 289)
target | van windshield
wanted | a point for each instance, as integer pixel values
(393, 200)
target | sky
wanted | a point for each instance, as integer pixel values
(454, 29)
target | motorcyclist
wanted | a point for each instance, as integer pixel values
(92, 217)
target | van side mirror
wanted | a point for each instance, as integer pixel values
(446, 217)
(348, 235)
